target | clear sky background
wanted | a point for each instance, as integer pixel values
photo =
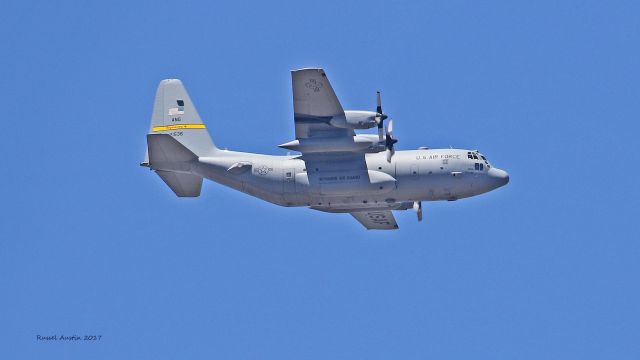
(92, 244)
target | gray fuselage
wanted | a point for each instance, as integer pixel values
(414, 175)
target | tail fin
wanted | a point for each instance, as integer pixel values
(177, 137)
(175, 114)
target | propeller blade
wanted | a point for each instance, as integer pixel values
(389, 141)
(417, 206)
(380, 117)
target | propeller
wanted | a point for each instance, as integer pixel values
(389, 141)
(417, 206)
(380, 117)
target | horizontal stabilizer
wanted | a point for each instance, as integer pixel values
(172, 161)
(184, 185)
(167, 153)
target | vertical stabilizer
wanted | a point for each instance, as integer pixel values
(174, 114)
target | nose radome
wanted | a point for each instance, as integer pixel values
(501, 176)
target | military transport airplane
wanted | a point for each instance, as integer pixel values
(337, 171)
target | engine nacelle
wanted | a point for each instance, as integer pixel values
(358, 119)
(359, 143)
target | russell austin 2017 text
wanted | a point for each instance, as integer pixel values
(70, 338)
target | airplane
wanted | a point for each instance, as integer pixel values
(337, 170)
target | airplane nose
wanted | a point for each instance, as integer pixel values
(500, 177)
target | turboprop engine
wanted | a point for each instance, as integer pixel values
(359, 119)
(355, 119)
(364, 143)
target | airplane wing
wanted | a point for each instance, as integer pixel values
(380, 220)
(320, 120)
(315, 104)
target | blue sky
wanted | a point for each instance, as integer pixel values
(93, 244)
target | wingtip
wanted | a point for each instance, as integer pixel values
(308, 69)
(170, 81)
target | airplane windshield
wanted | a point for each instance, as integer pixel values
(475, 155)
(485, 160)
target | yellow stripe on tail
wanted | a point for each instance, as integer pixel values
(178, 127)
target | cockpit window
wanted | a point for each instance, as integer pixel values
(484, 159)
(475, 155)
